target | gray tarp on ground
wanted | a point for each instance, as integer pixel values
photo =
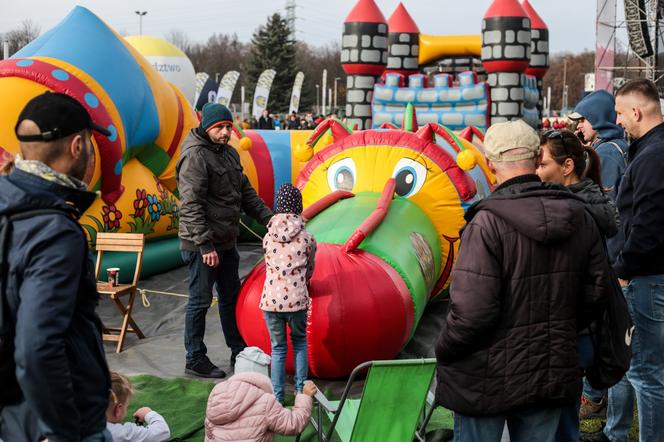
(162, 352)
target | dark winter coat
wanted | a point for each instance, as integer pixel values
(52, 296)
(599, 205)
(641, 207)
(530, 274)
(214, 191)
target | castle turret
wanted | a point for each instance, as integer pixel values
(363, 58)
(506, 56)
(403, 46)
(539, 51)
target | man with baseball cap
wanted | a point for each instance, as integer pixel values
(53, 372)
(214, 191)
(531, 267)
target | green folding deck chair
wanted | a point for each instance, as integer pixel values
(389, 409)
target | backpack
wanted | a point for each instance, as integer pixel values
(623, 154)
(10, 392)
(611, 335)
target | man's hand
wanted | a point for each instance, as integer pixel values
(211, 259)
(623, 282)
(141, 412)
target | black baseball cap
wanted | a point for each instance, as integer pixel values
(57, 116)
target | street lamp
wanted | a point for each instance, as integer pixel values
(335, 92)
(140, 21)
(317, 99)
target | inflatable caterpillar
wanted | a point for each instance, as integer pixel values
(385, 207)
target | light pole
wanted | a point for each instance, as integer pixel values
(317, 99)
(140, 21)
(335, 92)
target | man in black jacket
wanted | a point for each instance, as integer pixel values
(531, 272)
(50, 288)
(640, 263)
(214, 192)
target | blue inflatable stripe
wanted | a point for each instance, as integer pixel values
(279, 145)
(83, 40)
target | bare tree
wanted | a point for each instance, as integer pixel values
(179, 39)
(21, 36)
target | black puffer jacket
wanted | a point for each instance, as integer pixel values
(599, 205)
(531, 273)
(214, 191)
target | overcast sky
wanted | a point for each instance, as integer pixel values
(319, 22)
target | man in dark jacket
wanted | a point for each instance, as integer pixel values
(530, 274)
(50, 288)
(640, 263)
(265, 121)
(595, 117)
(214, 192)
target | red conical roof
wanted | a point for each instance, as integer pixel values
(401, 21)
(536, 21)
(365, 11)
(505, 8)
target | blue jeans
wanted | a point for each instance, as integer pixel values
(537, 425)
(202, 279)
(568, 427)
(645, 300)
(276, 325)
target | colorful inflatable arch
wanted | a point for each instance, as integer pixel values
(386, 207)
(147, 116)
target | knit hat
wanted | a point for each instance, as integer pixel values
(215, 114)
(289, 200)
(500, 138)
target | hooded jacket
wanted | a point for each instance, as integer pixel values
(52, 295)
(214, 191)
(244, 408)
(531, 272)
(289, 263)
(641, 206)
(611, 147)
(602, 209)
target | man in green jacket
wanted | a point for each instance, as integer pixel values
(214, 192)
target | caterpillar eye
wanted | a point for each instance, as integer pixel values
(409, 176)
(341, 175)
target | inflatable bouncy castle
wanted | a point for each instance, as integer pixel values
(383, 60)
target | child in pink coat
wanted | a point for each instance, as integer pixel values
(244, 408)
(289, 264)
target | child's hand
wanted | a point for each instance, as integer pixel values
(309, 389)
(141, 412)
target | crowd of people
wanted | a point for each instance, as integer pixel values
(292, 121)
(572, 214)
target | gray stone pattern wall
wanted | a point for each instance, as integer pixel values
(358, 100)
(507, 95)
(539, 58)
(364, 43)
(443, 103)
(539, 48)
(403, 51)
(456, 65)
(505, 38)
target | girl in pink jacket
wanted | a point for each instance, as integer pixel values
(289, 264)
(244, 408)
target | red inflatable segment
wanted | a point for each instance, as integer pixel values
(370, 318)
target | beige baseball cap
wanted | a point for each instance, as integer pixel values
(500, 138)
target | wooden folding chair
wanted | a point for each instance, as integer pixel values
(120, 242)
